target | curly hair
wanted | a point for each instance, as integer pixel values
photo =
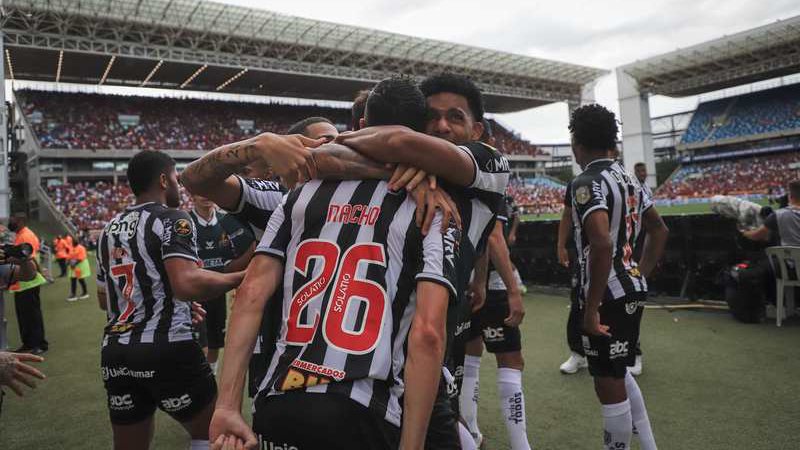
(456, 84)
(396, 101)
(594, 127)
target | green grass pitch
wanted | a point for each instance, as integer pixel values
(710, 383)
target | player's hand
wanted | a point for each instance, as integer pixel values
(15, 374)
(289, 156)
(563, 256)
(229, 431)
(428, 202)
(12, 260)
(198, 313)
(516, 310)
(407, 177)
(477, 296)
(512, 239)
(592, 325)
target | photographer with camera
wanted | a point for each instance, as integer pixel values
(26, 290)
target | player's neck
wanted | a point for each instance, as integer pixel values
(151, 197)
(205, 214)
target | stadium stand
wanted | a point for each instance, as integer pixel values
(743, 176)
(537, 195)
(94, 121)
(511, 143)
(773, 110)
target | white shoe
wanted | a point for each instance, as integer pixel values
(478, 440)
(72, 299)
(575, 363)
(83, 297)
(636, 368)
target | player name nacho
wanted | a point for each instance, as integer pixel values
(360, 214)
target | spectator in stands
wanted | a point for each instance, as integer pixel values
(784, 224)
(357, 110)
(26, 294)
(315, 128)
(79, 270)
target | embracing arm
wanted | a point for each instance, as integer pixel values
(338, 162)
(426, 342)
(190, 282)
(263, 277)
(401, 145)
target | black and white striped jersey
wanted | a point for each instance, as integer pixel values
(605, 185)
(353, 256)
(132, 248)
(257, 200)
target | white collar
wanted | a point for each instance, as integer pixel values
(202, 222)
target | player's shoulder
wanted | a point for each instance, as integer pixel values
(262, 185)
(488, 158)
(176, 220)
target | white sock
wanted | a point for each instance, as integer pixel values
(639, 414)
(469, 393)
(618, 426)
(467, 441)
(199, 444)
(512, 406)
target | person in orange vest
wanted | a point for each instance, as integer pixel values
(79, 270)
(26, 295)
(62, 245)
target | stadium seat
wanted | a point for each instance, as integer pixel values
(785, 262)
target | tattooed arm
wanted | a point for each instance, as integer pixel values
(212, 175)
(338, 162)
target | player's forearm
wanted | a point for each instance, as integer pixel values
(207, 175)
(423, 368)
(563, 228)
(482, 270)
(501, 258)
(600, 254)
(260, 283)
(401, 145)
(200, 285)
(338, 162)
(654, 243)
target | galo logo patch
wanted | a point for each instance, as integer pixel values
(182, 227)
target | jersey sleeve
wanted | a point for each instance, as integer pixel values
(178, 236)
(440, 253)
(589, 195)
(491, 168)
(647, 198)
(257, 200)
(278, 233)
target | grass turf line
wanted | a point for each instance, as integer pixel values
(709, 382)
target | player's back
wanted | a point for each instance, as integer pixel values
(353, 255)
(141, 307)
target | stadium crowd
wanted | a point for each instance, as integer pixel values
(537, 195)
(511, 143)
(757, 113)
(753, 175)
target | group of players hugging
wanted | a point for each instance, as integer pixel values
(370, 268)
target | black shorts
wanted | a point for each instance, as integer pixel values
(310, 421)
(611, 356)
(216, 316)
(174, 377)
(443, 427)
(489, 323)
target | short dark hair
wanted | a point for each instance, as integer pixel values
(639, 164)
(487, 130)
(396, 101)
(456, 84)
(594, 127)
(357, 110)
(146, 167)
(794, 189)
(301, 127)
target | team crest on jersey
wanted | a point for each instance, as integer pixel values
(182, 227)
(582, 195)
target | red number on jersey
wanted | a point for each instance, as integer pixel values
(126, 271)
(364, 336)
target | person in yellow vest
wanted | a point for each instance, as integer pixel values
(62, 245)
(26, 295)
(79, 270)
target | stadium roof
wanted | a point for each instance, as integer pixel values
(203, 45)
(761, 53)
